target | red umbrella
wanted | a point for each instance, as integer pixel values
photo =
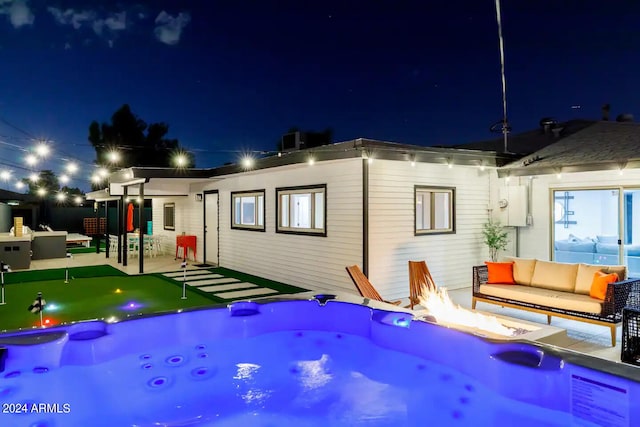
(130, 217)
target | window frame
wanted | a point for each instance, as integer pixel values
(249, 193)
(452, 209)
(302, 189)
(169, 225)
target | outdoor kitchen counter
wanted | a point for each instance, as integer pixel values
(15, 251)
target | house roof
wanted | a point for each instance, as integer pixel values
(10, 196)
(525, 143)
(602, 145)
(164, 182)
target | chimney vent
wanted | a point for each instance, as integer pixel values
(548, 123)
(605, 112)
(625, 117)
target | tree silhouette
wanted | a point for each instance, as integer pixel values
(47, 180)
(138, 143)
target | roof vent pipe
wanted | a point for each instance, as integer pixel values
(548, 123)
(625, 117)
(605, 112)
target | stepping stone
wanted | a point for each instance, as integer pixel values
(195, 277)
(228, 287)
(203, 282)
(246, 293)
(189, 273)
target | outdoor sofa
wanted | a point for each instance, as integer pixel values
(558, 289)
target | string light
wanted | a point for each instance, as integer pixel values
(31, 160)
(42, 150)
(72, 168)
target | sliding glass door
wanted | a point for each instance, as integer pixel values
(596, 226)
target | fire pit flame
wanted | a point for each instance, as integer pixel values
(440, 306)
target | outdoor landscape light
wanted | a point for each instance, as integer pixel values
(64, 179)
(31, 159)
(96, 179)
(5, 175)
(311, 161)
(42, 191)
(78, 200)
(61, 197)
(19, 184)
(34, 177)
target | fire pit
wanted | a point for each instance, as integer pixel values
(439, 308)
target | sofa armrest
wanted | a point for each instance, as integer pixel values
(480, 277)
(617, 296)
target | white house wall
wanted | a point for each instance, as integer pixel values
(392, 242)
(188, 220)
(312, 262)
(535, 240)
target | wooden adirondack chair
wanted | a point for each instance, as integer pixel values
(364, 286)
(419, 279)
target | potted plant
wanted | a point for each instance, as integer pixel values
(495, 237)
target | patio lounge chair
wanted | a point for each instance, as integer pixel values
(419, 280)
(364, 286)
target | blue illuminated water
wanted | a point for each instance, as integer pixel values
(276, 379)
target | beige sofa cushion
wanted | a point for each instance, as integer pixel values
(620, 270)
(555, 275)
(545, 297)
(522, 269)
(584, 278)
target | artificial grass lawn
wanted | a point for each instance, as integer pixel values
(85, 298)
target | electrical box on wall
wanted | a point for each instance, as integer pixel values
(512, 205)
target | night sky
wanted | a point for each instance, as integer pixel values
(234, 76)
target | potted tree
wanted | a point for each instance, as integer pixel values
(495, 237)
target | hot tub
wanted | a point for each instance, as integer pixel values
(307, 361)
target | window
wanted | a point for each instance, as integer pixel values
(302, 210)
(169, 216)
(434, 207)
(247, 210)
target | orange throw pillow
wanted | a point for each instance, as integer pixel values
(600, 282)
(500, 273)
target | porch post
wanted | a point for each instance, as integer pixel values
(125, 240)
(140, 227)
(106, 229)
(118, 228)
